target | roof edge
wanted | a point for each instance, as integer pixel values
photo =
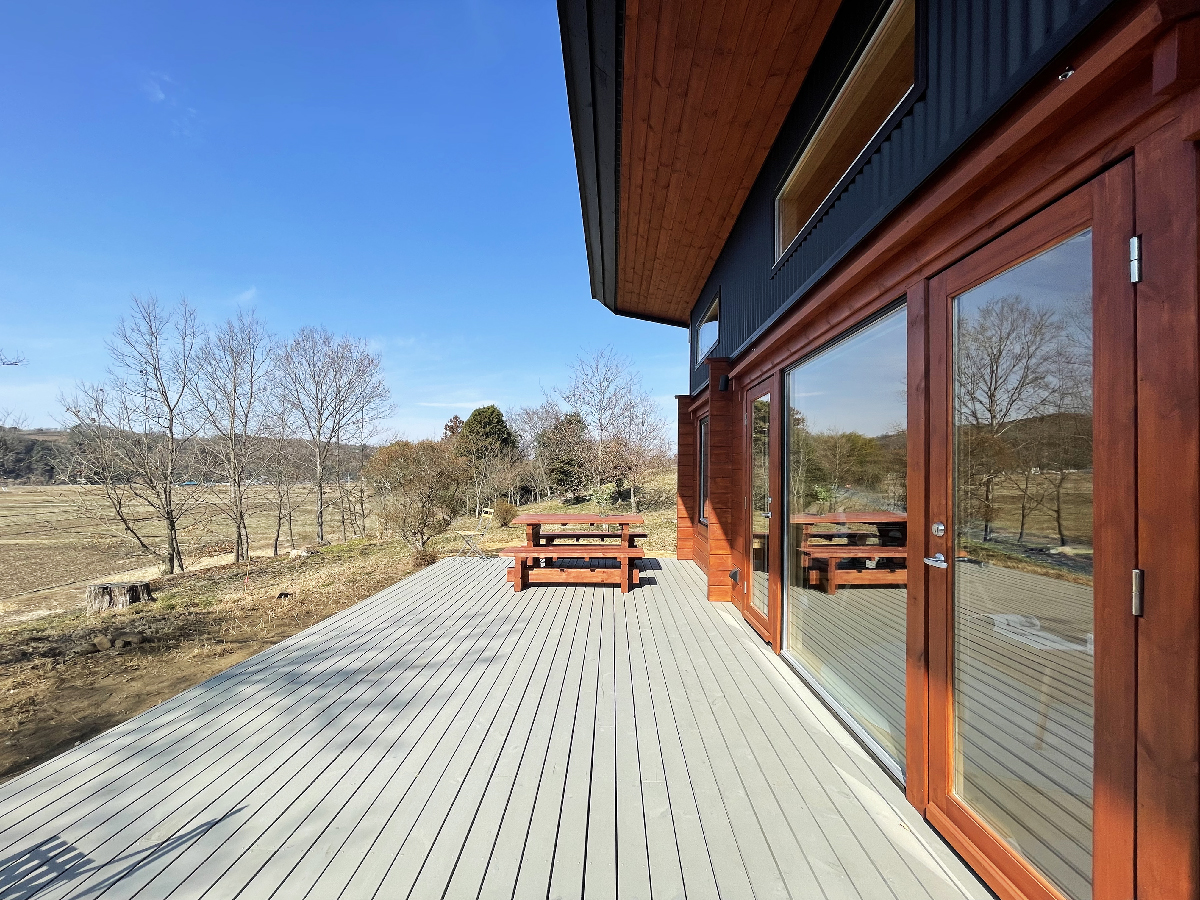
(592, 34)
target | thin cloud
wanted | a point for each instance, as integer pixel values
(152, 86)
(248, 296)
(467, 405)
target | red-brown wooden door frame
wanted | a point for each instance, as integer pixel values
(1106, 206)
(767, 626)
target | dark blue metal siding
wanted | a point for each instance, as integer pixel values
(980, 54)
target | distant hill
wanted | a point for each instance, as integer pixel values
(32, 455)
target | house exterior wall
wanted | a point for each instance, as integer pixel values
(1132, 104)
(978, 57)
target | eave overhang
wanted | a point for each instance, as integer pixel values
(673, 108)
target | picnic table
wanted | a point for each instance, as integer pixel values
(828, 540)
(561, 554)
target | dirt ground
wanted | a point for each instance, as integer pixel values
(57, 689)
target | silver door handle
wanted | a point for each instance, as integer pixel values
(766, 515)
(937, 561)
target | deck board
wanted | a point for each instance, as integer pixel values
(450, 737)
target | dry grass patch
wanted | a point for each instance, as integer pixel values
(57, 690)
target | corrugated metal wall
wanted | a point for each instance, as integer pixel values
(980, 54)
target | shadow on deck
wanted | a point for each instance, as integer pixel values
(451, 738)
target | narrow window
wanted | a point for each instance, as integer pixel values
(878, 83)
(708, 331)
(704, 469)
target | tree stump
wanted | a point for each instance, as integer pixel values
(116, 595)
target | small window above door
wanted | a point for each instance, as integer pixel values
(708, 330)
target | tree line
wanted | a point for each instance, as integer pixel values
(599, 438)
(185, 404)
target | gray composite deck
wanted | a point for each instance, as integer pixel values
(451, 738)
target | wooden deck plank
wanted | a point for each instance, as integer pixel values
(662, 845)
(412, 824)
(301, 812)
(193, 714)
(258, 768)
(770, 845)
(490, 865)
(470, 825)
(862, 812)
(452, 738)
(569, 839)
(836, 866)
(536, 863)
(374, 805)
(725, 831)
(600, 860)
(98, 825)
(632, 840)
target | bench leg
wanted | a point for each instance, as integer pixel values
(625, 575)
(831, 575)
(519, 574)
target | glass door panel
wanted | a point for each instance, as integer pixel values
(760, 504)
(846, 548)
(1023, 640)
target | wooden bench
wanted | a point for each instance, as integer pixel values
(534, 565)
(829, 555)
(550, 537)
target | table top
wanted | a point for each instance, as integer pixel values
(865, 518)
(576, 519)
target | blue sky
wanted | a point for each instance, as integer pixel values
(401, 172)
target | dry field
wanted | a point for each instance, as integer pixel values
(54, 541)
(56, 689)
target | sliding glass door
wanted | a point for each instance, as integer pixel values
(846, 547)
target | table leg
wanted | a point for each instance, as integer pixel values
(831, 575)
(519, 575)
(625, 575)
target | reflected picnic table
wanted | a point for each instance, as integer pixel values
(818, 552)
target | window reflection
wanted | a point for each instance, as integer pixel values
(847, 462)
(1023, 645)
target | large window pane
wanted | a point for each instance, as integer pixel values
(1023, 645)
(847, 455)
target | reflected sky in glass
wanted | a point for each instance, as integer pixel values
(859, 383)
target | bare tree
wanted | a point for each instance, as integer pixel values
(328, 382)
(284, 466)
(136, 428)
(6, 360)
(10, 419)
(607, 394)
(1004, 358)
(233, 371)
(641, 444)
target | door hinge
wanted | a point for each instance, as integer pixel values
(1135, 259)
(1138, 578)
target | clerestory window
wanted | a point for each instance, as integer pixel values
(880, 81)
(708, 331)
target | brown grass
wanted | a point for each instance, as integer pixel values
(54, 540)
(53, 696)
